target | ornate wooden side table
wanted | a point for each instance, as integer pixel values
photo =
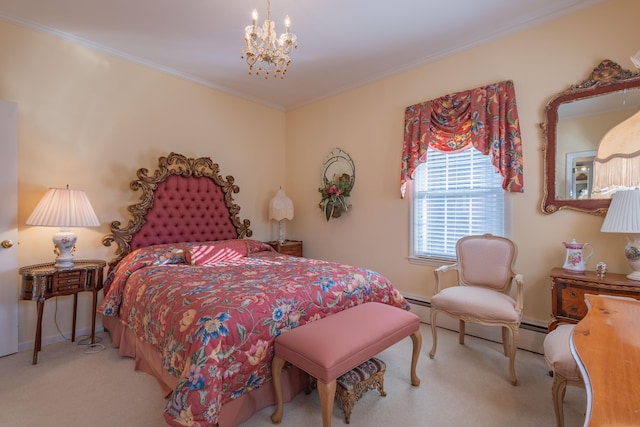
(568, 290)
(43, 281)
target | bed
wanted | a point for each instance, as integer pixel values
(198, 303)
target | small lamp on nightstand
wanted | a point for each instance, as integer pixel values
(64, 208)
(281, 208)
(623, 216)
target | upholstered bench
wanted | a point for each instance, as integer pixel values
(332, 346)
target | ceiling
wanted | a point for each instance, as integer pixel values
(342, 43)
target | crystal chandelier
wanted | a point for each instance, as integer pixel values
(266, 52)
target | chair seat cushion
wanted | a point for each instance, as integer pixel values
(557, 352)
(476, 302)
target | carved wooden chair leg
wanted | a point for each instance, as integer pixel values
(462, 331)
(434, 334)
(505, 340)
(558, 390)
(513, 347)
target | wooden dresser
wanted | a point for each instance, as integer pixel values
(568, 291)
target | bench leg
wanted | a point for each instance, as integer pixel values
(327, 392)
(416, 337)
(276, 373)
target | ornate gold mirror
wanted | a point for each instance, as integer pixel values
(338, 178)
(575, 122)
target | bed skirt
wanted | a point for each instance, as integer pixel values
(232, 413)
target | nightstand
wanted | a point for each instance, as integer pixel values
(288, 247)
(43, 281)
(568, 290)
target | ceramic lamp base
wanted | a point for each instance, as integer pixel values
(632, 253)
(634, 276)
(281, 231)
(65, 243)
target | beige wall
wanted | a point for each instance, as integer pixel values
(89, 120)
(368, 123)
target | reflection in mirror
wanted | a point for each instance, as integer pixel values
(581, 126)
(617, 162)
(575, 122)
(579, 175)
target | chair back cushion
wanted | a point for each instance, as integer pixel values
(486, 261)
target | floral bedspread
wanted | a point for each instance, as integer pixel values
(214, 325)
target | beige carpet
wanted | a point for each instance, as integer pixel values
(463, 386)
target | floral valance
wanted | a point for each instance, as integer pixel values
(485, 118)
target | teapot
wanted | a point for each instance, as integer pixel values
(576, 260)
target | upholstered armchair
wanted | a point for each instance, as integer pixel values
(485, 276)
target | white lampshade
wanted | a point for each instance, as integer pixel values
(623, 216)
(281, 208)
(64, 208)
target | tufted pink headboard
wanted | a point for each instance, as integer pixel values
(186, 209)
(185, 200)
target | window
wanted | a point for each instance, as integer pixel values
(455, 195)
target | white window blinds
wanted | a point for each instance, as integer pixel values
(455, 195)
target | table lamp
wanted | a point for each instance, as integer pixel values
(64, 208)
(281, 208)
(623, 216)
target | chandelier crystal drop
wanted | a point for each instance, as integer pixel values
(265, 52)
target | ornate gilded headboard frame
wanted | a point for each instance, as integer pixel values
(173, 164)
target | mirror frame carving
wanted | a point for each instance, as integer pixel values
(339, 157)
(607, 77)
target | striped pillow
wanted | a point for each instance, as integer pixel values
(212, 254)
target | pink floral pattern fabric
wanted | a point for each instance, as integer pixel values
(214, 325)
(485, 118)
